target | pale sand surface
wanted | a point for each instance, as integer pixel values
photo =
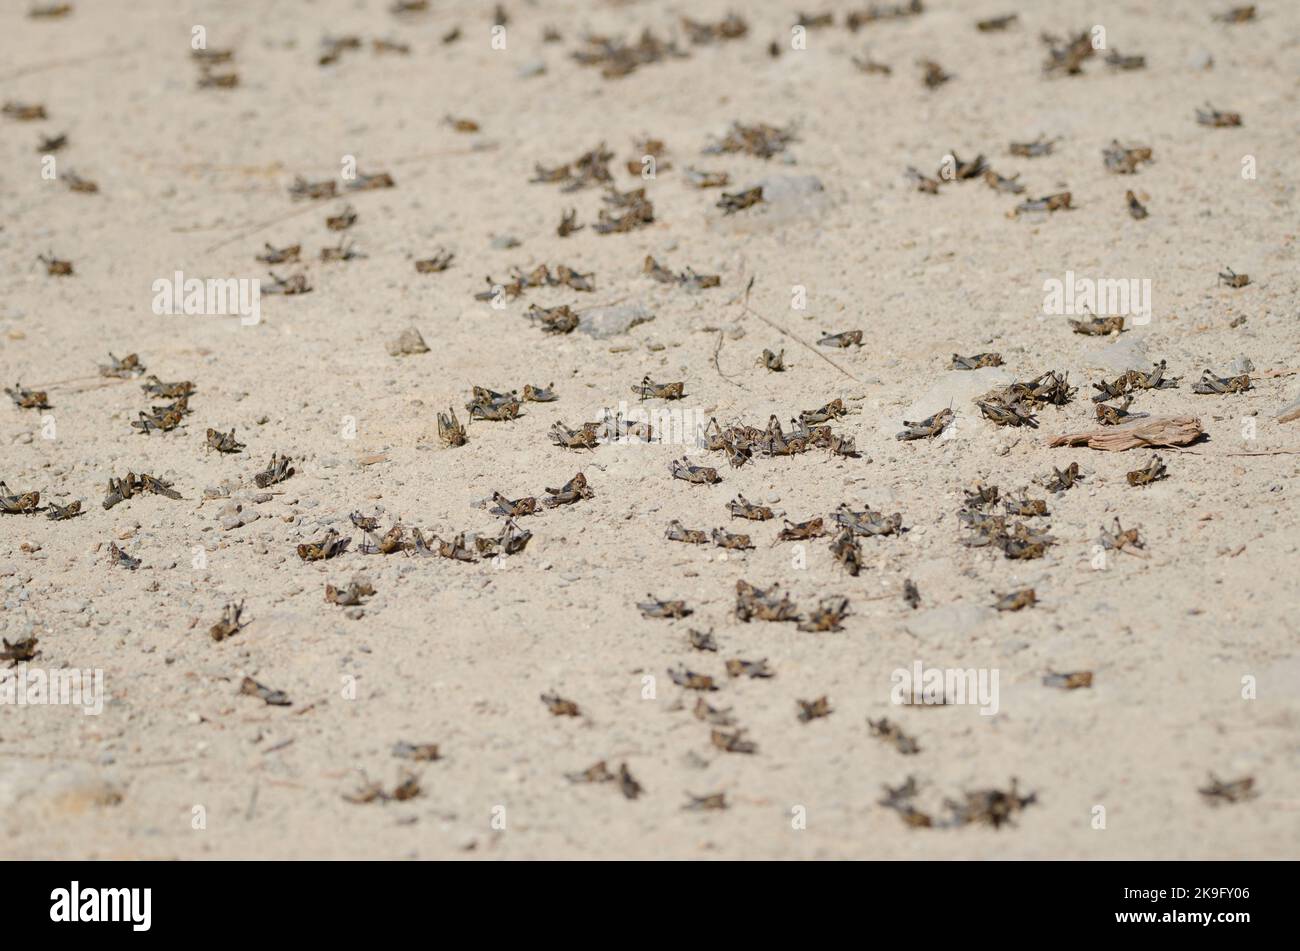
(457, 654)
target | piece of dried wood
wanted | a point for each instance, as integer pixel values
(1145, 433)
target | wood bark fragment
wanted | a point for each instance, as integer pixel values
(1145, 433)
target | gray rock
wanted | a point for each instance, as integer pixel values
(1126, 353)
(602, 322)
(956, 389)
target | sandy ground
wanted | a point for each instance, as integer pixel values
(179, 764)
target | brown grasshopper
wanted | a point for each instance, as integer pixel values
(1002, 184)
(554, 320)
(760, 140)
(301, 189)
(597, 773)
(572, 491)
(867, 522)
(741, 507)
(559, 706)
(911, 594)
(1117, 60)
(753, 669)
(364, 183)
(568, 223)
(849, 338)
(978, 360)
(739, 201)
(654, 608)
(352, 596)
(20, 503)
(78, 184)
(287, 286)
(275, 698)
(450, 431)
(24, 112)
(163, 422)
(1062, 479)
(933, 75)
(1069, 58)
(343, 251)
(1232, 278)
(274, 255)
(277, 470)
(1049, 203)
(847, 552)
(52, 143)
(628, 786)
(210, 79)
(539, 394)
(702, 640)
(690, 680)
(1135, 208)
(156, 387)
(699, 475)
(123, 369)
(585, 438)
(344, 220)
(1098, 326)
(677, 532)
(871, 67)
(1039, 147)
(929, 186)
(392, 541)
(829, 615)
(49, 11)
(1153, 471)
(28, 399)
(487, 404)
(1123, 160)
(55, 267)
(230, 624)
(996, 24)
(1070, 681)
(832, 410)
(440, 261)
(990, 806)
(773, 361)
(701, 179)
(798, 531)
(892, 733)
(1209, 116)
(1121, 539)
(1006, 414)
(223, 442)
(329, 546)
(1209, 383)
(961, 170)
(769, 605)
(1242, 14)
(724, 539)
(810, 710)
(117, 557)
(513, 508)
(19, 652)
(1026, 507)
(61, 513)
(420, 752)
(1217, 792)
(1016, 600)
(927, 428)
(1109, 415)
(710, 714)
(648, 389)
(705, 803)
(734, 742)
